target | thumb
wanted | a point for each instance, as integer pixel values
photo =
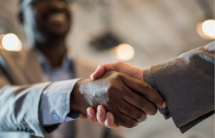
(101, 70)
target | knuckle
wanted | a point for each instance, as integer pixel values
(116, 75)
(147, 88)
(111, 95)
(119, 63)
(110, 89)
(128, 93)
(128, 110)
(142, 103)
(140, 85)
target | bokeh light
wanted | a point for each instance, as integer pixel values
(208, 27)
(11, 42)
(124, 52)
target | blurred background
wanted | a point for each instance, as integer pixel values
(139, 32)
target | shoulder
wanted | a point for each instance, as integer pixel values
(12, 56)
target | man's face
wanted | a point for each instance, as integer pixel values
(47, 18)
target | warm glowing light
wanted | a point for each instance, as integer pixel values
(124, 52)
(1, 36)
(208, 27)
(11, 42)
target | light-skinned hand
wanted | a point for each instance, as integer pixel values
(119, 67)
(102, 117)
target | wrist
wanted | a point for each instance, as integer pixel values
(148, 77)
(78, 99)
(75, 95)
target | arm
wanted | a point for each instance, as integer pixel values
(25, 100)
(30, 108)
(187, 83)
(19, 108)
(188, 87)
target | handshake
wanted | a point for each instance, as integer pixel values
(118, 93)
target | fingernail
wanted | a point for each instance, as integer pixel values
(99, 110)
(89, 113)
(108, 116)
(107, 120)
(91, 76)
(164, 104)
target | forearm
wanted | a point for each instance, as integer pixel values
(187, 84)
(27, 108)
(19, 107)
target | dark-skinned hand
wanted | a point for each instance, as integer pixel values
(128, 99)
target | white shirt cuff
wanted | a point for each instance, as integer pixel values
(55, 102)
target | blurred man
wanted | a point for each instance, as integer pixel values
(39, 108)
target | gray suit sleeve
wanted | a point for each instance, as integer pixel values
(19, 107)
(187, 84)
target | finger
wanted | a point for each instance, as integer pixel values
(109, 122)
(126, 121)
(140, 102)
(145, 90)
(101, 69)
(101, 114)
(132, 111)
(120, 67)
(130, 70)
(91, 115)
(83, 116)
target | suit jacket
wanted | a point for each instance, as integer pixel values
(187, 84)
(21, 85)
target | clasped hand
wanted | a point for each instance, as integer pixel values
(126, 99)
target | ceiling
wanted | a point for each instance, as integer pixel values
(157, 29)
